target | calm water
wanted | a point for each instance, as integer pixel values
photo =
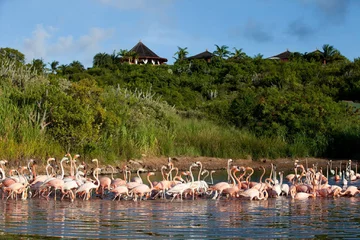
(203, 218)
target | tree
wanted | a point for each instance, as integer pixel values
(297, 56)
(76, 66)
(132, 55)
(329, 53)
(238, 54)
(222, 52)
(102, 60)
(12, 54)
(181, 54)
(123, 53)
(114, 57)
(38, 65)
(54, 65)
(258, 56)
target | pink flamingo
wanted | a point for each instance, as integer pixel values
(350, 191)
(118, 181)
(119, 191)
(143, 189)
(300, 195)
(87, 187)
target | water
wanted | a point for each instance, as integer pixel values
(281, 217)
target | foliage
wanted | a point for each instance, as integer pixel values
(237, 106)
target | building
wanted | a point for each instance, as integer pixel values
(284, 56)
(204, 55)
(143, 55)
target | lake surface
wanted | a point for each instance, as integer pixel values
(281, 217)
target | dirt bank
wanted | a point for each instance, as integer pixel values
(183, 163)
(154, 164)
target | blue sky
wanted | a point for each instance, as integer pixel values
(67, 30)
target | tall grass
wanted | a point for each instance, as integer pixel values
(141, 124)
(21, 134)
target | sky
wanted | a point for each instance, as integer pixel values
(68, 30)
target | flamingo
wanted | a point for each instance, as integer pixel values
(143, 189)
(180, 188)
(337, 176)
(118, 181)
(105, 183)
(350, 191)
(332, 171)
(300, 195)
(119, 191)
(220, 187)
(284, 187)
(89, 186)
(69, 186)
(132, 184)
(72, 163)
(202, 185)
(254, 194)
(164, 185)
(17, 188)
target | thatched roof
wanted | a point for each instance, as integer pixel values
(283, 55)
(203, 55)
(145, 52)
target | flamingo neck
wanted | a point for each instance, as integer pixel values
(71, 166)
(191, 174)
(199, 171)
(207, 174)
(62, 169)
(271, 171)
(125, 174)
(211, 177)
(163, 174)
(281, 178)
(97, 178)
(262, 175)
(112, 172)
(232, 174)
(2, 174)
(151, 185)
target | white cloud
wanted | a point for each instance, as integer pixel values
(44, 44)
(34, 47)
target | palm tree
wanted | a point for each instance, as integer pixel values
(38, 65)
(123, 53)
(297, 56)
(238, 54)
(181, 54)
(114, 57)
(329, 53)
(131, 55)
(258, 56)
(102, 60)
(63, 69)
(222, 51)
(77, 66)
(53, 66)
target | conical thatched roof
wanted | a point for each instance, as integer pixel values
(144, 52)
(283, 55)
(203, 55)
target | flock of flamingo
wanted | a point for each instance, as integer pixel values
(304, 183)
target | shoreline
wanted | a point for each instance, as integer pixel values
(154, 164)
(211, 163)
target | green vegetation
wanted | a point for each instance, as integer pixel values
(234, 106)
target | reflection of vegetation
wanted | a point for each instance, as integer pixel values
(230, 107)
(24, 236)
